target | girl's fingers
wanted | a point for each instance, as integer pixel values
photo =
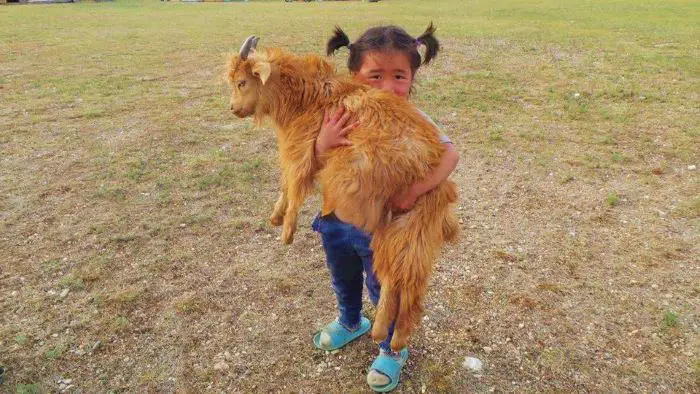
(344, 142)
(344, 120)
(346, 130)
(338, 114)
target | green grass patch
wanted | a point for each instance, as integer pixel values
(74, 283)
(121, 324)
(689, 209)
(28, 388)
(21, 339)
(669, 320)
(51, 265)
(55, 353)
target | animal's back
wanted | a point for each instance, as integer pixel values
(393, 147)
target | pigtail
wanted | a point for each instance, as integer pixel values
(339, 40)
(432, 46)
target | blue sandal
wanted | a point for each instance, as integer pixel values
(389, 365)
(335, 335)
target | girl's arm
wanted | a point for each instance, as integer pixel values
(405, 201)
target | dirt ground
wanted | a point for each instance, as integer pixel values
(135, 254)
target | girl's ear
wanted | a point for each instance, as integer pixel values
(262, 70)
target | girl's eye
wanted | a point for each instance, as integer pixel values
(241, 84)
(374, 77)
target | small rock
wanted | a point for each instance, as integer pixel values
(95, 346)
(64, 293)
(473, 364)
(220, 366)
(227, 356)
(692, 167)
(487, 349)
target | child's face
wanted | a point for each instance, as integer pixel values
(388, 71)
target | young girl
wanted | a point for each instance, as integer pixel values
(387, 58)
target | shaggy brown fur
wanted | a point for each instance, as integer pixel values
(393, 147)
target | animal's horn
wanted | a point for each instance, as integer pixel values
(250, 43)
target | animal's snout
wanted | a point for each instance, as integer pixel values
(237, 111)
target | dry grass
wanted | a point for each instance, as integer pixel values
(126, 180)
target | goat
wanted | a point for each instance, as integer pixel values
(393, 147)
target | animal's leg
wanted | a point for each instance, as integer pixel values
(386, 310)
(280, 206)
(409, 314)
(298, 187)
(289, 226)
(405, 252)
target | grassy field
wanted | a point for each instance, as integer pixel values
(135, 253)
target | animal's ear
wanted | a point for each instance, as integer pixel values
(262, 70)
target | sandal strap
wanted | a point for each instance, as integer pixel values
(389, 365)
(340, 335)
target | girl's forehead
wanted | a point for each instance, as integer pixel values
(386, 60)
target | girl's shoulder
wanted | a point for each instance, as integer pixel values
(443, 138)
(428, 118)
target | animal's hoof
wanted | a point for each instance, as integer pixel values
(398, 342)
(276, 220)
(379, 333)
(287, 237)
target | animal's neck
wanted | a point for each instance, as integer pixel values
(295, 96)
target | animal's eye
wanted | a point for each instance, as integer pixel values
(241, 84)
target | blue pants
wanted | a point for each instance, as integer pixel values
(348, 254)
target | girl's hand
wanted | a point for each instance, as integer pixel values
(334, 130)
(404, 201)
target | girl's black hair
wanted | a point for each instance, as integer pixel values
(383, 38)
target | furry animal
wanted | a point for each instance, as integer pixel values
(393, 147)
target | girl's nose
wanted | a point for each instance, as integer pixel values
(388, 86)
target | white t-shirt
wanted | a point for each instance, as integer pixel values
(443, 138)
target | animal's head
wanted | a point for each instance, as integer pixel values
(247, 75)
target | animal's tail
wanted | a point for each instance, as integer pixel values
(404, 253)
